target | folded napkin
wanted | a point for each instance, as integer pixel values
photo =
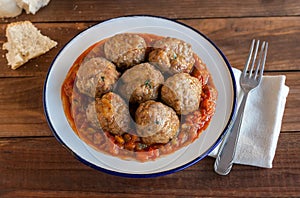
(261, 122)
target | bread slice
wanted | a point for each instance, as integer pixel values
(32, 6)
(9, 8)
(24, 42)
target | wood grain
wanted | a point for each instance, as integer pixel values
(53, 170)
(34, 164)
(281, 32)
(22, 114)
(93, 10)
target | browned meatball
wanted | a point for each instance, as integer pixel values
(91, 114)
(156, 122)
(113, 113)
(96, 76)
(172, 55)
(140, 83)
(182, 92)
(200, 71)
(125, 50)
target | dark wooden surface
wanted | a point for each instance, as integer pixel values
(34, 164)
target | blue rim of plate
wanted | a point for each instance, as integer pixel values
(148, 175)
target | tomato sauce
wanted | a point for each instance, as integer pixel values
(129, 146)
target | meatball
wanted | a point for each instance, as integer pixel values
(172, 56)
(156, 122)
(140, 83)
(96, 76)
(182, 92)
(125, 50)
(113, 113)
(91, 115)
(200, 71)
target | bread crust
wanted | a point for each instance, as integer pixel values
(24, 42)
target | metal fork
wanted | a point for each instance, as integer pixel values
(250, 79)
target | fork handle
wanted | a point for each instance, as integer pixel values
(224, 160)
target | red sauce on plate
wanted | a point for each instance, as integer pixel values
(128, 146)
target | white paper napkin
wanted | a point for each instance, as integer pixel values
(261, 122)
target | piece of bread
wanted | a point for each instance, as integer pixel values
(13, 8)
(32, 6)
(24, 42)
(9, 8)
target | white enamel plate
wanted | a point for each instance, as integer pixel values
(217, 65)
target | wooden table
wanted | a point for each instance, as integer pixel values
(34, 164)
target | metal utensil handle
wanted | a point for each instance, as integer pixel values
(224, 160)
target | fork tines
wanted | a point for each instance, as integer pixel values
(260, 63)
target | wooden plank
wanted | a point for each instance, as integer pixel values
(291, 118)
(21, 107)
(21, 98)
(25, 129)
(42, 166)
(60, 32)
(22, 114)
(21, 94)
(93, 10)
(282, 33)
(34, 164)
(233, 37)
